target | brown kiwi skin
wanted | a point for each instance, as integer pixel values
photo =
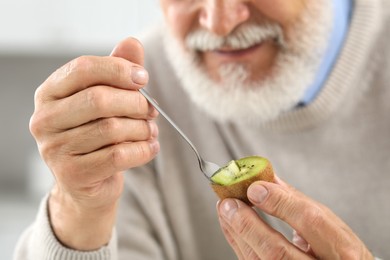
(239, 190)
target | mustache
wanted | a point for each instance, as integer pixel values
(242, 37)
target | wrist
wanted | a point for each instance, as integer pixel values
(80, 227)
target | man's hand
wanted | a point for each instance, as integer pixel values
(91, 124)
(319, 233)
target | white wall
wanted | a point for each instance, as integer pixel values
(71, 26)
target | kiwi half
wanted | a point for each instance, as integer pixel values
(233, 179)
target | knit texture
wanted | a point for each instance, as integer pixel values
(39, 242)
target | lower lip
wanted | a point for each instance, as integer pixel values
(239, 53)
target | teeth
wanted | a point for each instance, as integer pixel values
(243, 38)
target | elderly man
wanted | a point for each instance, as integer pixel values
(301, 82)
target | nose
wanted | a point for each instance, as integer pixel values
(221, 17)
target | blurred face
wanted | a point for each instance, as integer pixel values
(221, 18)
(248, 60)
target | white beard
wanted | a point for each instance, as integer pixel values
(236, 99)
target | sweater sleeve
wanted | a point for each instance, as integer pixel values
(143, 228)
(39, 242)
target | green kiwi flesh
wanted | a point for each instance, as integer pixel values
(239, 170)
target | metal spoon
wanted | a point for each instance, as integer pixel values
(208, 168)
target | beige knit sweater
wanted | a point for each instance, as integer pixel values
(336, 150)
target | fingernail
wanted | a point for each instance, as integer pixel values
(218, 203)
(300, 242)
(278, 180)
(154, 146)
(229, 208)
(257, 193)
(153, 128)
(153, 113)
(139, 75)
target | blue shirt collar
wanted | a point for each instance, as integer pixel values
(342, 14)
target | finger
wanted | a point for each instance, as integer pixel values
(281, 182)
(227, 231)
(129, 49)
(301, 243)
(100, 165)
(242, 249)
(87, 71)
(104, 132)
(259, 238)
(94, 103)
(312, 220)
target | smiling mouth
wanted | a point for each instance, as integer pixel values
(226, 51)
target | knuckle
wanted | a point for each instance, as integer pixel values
(67, 70)
(313, 216)
(145, 128)
(231, 240)
(276, 251)
(280, 205)
(34, 125)
(140, 130)
(39, 95)
(348, 247)
(95, 98)
(82, 63)
(350, 253)
(61, 166)
(53, 151)
(244, 225)
(141, 151)
(130, 155)
(47, 150)
(38, 123)
(120, 71)
(118, 155)
(108, 126)
(249, 253)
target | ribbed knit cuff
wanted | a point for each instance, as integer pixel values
(44, 245)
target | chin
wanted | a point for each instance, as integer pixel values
(238, 73)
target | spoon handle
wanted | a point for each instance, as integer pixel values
(157, 107)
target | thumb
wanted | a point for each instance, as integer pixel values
(130, 49)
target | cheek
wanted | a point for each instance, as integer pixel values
(180, 20)
(281, 11)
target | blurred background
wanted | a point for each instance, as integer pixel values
(36, 37)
